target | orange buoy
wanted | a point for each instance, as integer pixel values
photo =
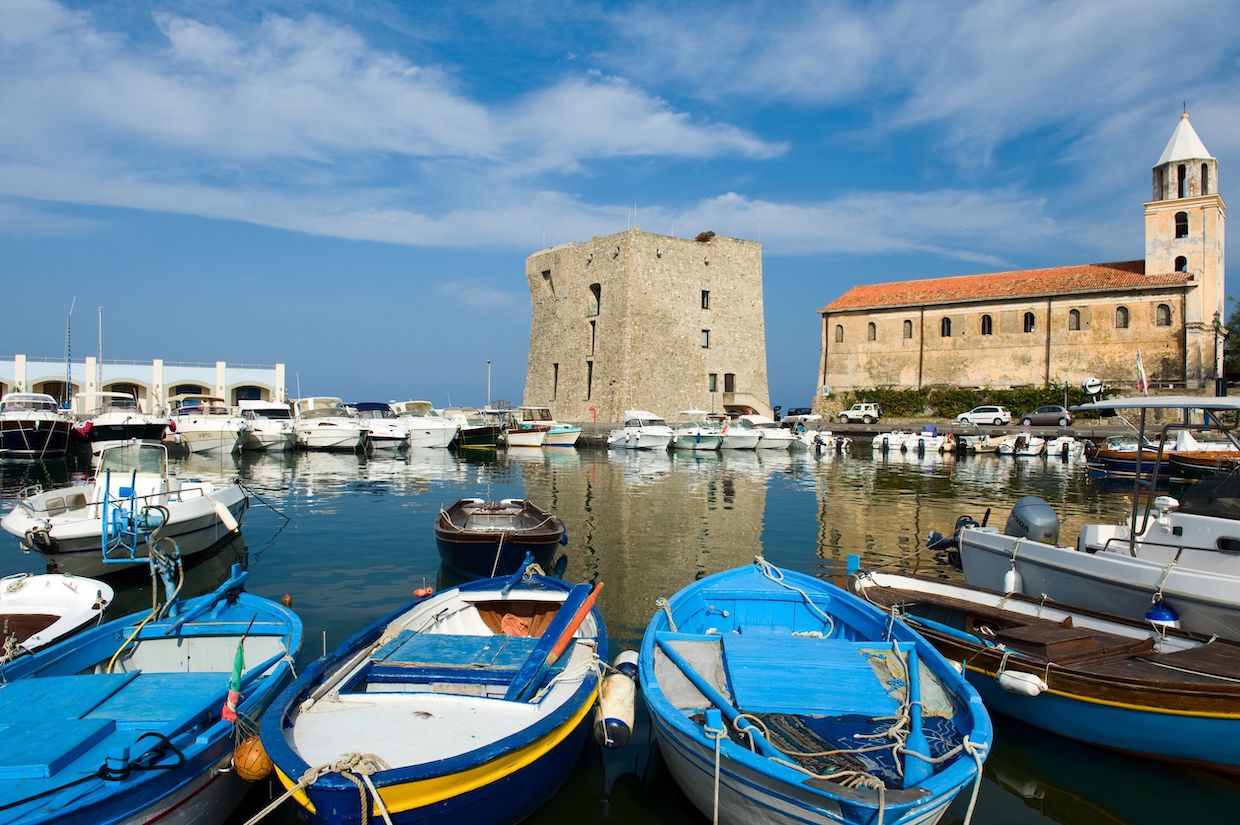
(287, 600)
(250, 761)
(420, 593)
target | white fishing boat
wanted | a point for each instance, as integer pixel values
(106, 419)
(774, 437)
(558, 434)
(735, 435)
(642, 430)
(1167, 554)
(36, 611)
(268, 426)
(929, 440)
(204, 424)
(426, 427)
(384, 430)
(1065, 447)
(322, 423)
(889, 442)
(695, 432)
(132, 493)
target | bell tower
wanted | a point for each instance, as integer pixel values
(1184, 232)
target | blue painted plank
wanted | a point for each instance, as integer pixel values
(792, 674)
(534, 668)
(162, 701)
(58, 697)
(39, 748)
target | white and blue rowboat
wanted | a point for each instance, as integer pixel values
(779, 698)
(468, 706)
(37, 611)
(122, 722)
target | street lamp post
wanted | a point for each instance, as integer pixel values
(488, 383)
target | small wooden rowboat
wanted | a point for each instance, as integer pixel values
(1203, 463)
(1112, 682)
(36, 611)
(778, 698)
(469, 706)
(480, 539)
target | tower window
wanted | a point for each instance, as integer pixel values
(1205, 179)
(712, 382)
(839, 334)
(1180, 176)
(546, 273)
(593, 330)
(988, 325)
(871, 332)
(555, 380)
(1121, 317)
(1181, 264)
(1074, 319)
(729, 382)
(705, 299)
(1181, 224)
(705, 339)
(1162, 315)
(1031, 322)
(596, 299)
(945, 328)
(589, 379)
(908, 329)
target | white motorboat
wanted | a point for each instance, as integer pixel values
(979, 443)
(36, 611)
(106, 419)
(1166, 554)
(824, 441)
(426, 427)
(322, 423)
(695, 432)
(1021, 444)
(135, 501)
(774, 437)
(889, 442)
(204, 424)
(268, 426)
(926, 441)
(384, 431)
(642, 430)
(1066, 447)
(32, 426)
(558, 434)
(735, 435)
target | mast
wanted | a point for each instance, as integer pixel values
(99, 362)
(67, 401)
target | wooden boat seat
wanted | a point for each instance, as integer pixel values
(439, 657)
(1194, 667)
(1054, 642)
(60, 697)
(826, 677)
(39, 748)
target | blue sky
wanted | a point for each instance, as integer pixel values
(352, 187)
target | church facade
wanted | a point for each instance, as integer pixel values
(1056, 325)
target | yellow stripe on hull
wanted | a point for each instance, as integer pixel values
(423, 792)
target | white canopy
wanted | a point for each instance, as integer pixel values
(1164, 402)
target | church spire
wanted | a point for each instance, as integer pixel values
(1185, 169)
(1184, 144)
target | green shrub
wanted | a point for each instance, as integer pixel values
(948, 402)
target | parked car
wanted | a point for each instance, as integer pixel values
(1049, 415)
(862, 411)
(986, 414)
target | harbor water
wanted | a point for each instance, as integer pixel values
(350, 537)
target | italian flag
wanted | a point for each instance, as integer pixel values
(229, 712)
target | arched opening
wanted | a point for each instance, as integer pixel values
(1180, 178)
(908, 329)
(249, 392)
(596, 299)
(189, 389)
(871, 332)
(4, 388)
(1031, 322)
(1121, 317)
(1205, 179)
(988, 325)
(1181, 264)
(1162, 315)
(1074, 319)
(945, 328)
(839, 334)
(56, 389)
(1181, 224)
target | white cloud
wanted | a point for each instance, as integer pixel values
(473, 294)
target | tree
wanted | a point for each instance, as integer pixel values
(1231, 351)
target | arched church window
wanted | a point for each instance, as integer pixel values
(1074, 319)
(871, 331)
(1162, 315)
(908, 329)
(1121, 317)
(988, 327)
(1181, 224)
(1205, 179)
(839, 334)
(1180, 175)
(945, 328)
(1031, 322)
(1181, 264)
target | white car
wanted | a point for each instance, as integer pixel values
(987, 414)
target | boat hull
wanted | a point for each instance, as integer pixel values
(341, 439)
(432, 437)
(525, 438)
(709, 443)
(739, 441)
(34, 438)
(562, 436)
(482, 558)
(478, 438)
(274, 441)
(103, 436)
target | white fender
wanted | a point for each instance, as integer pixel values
(226, 517)
(617, 702)
(1022, 684)
(1013, 582)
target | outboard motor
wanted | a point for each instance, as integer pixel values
(1032, 518)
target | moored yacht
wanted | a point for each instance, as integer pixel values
(642, 430)
(474, 430)
(204, 424)
(268, 426)
(774, 437)
(558, 434)
(32, 426)
(735, 435)
(322, 423)
(384, 431)
(695, 432)
(109, 418)
(427, 428)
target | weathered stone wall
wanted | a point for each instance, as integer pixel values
(1008, 356)
(643, 337)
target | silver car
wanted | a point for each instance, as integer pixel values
(1049, 415)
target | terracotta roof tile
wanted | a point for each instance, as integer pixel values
(992, 286)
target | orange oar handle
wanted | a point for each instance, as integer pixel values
(578, 618)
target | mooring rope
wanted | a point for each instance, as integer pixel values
(351, 766)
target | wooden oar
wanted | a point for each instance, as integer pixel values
(530, 675)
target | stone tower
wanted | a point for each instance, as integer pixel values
(644, 321)
(1184, 232)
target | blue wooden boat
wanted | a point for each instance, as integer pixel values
(468, 706)
(779, 698)
(122, 722)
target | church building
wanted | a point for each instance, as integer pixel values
(1056, 325)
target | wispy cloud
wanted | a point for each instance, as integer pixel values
(474, 294)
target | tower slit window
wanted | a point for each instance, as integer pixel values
(945, 328)
(729, 382)
(589, 379)
(712, 382)
(705, 339)
(593, 336)
(1181, 224)
(871, 332)
(1030, 322)
(705, 299)
(1205, 179)
(988, 325)
(1181, 180)
(839, 334)
(555, 380)
(908, 329)
(596, 299)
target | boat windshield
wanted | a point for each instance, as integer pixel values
(275, 413)
(125, 458)
(28, 403)
(535, 414)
